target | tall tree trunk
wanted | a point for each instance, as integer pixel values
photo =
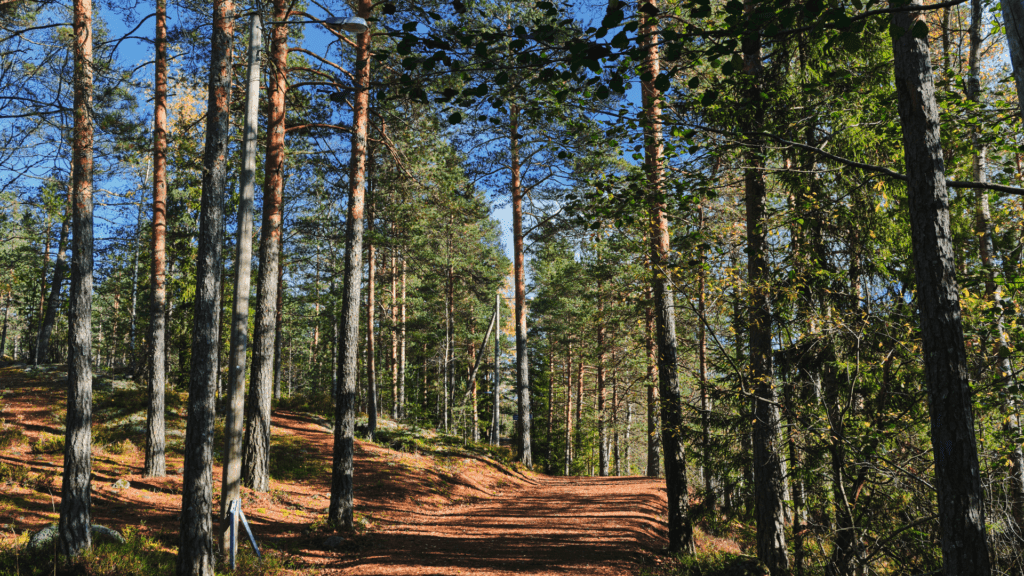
(983, 231)
(680, 529)
(524, 423)
(114, 336)
(394, 339)
(957, 482)
(371, 335)
(946, 13)
(401, 351)
(256, 451)
(52, 302)
(799, 505)
(278, 316)
(1013, 21)
(629, 432)
(702, 373)
(746, 434)
(844, 553)
(653, 432)
(577, 442)
(602, 392)
(807, 246)
(196, 552)
(340, 512)
(76, 485)
(334, 343)
(615, 426)
(133, 326)
(3, 334)
(423, 386)
(551, 407)
(496, 410)
(449, 352)
(475, 433)
(232, 475)
(314, 346)
(45, 255)
(769, 476)
(155, 440)
(568, 410)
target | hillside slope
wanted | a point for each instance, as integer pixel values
(443, 511)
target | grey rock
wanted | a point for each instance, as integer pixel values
(333, 542)
(119, 485)
(42, 540)
(47, 537)
(102, 534)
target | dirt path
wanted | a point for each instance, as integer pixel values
(558, 526)
(436, 513)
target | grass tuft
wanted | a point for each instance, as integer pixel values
(10, 435)
(14, 473)
(706, 564)
(140, 555)
(48, 444)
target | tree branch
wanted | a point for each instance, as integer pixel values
(871, 167)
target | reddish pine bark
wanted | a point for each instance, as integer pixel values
(341, 505)
(76, 484)
(155, 429)
(680, 530)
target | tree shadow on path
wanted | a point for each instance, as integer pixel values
(560, 526)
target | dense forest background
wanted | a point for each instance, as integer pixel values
(733, 260)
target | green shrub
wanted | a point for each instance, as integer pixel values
(48, 444)
(310, 403)
(140, 554)
(123, 447)
(710, 564)
(10, 435)
(248, 564)
(14, 473)
(402, 440)
(137, 556)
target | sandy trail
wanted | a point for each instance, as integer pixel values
(435, 514)
(556, 526)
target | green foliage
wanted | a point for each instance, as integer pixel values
(48, 444)
(123, 447)
(14, 473)
(310, 402)
(140, 555)
(10, 435)
(119, 420)
(415, 440)
(706, 564)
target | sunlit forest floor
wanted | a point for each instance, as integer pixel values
(423, 510)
